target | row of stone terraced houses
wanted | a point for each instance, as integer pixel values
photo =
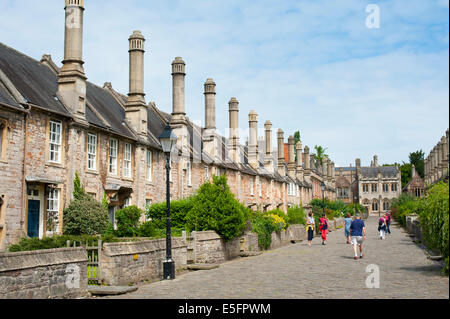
(54, 124)
(437, 161)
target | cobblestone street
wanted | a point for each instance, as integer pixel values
(298, 271)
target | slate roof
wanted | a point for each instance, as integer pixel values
(34, 80)
(38, 84)
(372, 172)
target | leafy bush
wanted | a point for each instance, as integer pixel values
(27, 244)
(178, 212)
(278, 222)
(128, 221)
(434, 219)
(282, 217)
(148, 229)
(296, 215)
(263, 226)
(215, 208)
(85, 216)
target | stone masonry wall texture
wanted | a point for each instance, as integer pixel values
(132, 262)
(42, 274)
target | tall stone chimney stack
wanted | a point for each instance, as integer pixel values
(329, 170)
(268, 131)
(307, 161)
(71, 78)
(298, 148)
(268, 160)
(291, 156)
(210, 104)
(209, 135)
(280, 138)
(375, 161)
(358, 167)
(253, 139)
(135, 107)
(233, 109)
(178, 85)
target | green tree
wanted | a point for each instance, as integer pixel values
(297, 137)
(216, 208)
(78, 189)
(418, 159)
(128, 221)
(320, 153)
(84, 215)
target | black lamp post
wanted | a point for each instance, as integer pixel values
(322, 186)
(168, 140)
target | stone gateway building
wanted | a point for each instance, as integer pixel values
(374, 187)
(54, 124)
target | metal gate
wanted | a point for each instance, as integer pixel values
(94, 255)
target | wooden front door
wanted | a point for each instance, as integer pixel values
(33, 218)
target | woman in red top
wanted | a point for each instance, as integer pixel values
(323, 227)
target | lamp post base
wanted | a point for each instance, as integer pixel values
(168, 269)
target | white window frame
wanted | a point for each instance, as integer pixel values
(53, 200)
(149, 165)
(127, 151)
(55, 142)
(188, 173)
(206, 172)
(92, 152)
(259, 187)
(127, 202)
(113, 151)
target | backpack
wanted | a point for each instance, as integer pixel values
(325, 224)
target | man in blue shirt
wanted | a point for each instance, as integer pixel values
(358, 235)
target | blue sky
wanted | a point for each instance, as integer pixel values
(311, 66)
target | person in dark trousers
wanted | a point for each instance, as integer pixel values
(323, 227)
(388, 222)
(310, 227)
(358, 235)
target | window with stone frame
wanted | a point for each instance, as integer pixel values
(385, 188)
(52, 208)
(55, 142)
(374, 206)
(374, 188)
(206, 173)
(365, 188)
(113, 146)
(188, 173)
(92, 151)
(127, 150)
(394, 187)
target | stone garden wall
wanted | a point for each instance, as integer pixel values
(132, 262)
(44, 274)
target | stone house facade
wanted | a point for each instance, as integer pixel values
(374, 186)
(55, 124)
(416, 186)
(437, 161)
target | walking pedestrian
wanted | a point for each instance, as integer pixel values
(323, 227)
(382, 226)
(358, 235)
(348, 221)
(388, 222)
(310, 227)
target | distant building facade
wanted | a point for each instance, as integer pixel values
(374, 186)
